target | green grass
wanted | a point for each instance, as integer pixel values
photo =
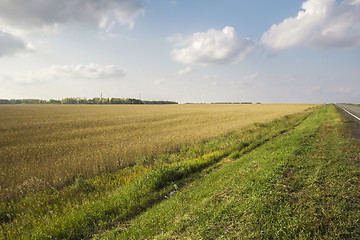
(303, 184)
(90, 205)
(292, 178)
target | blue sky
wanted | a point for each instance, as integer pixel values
(187, 51)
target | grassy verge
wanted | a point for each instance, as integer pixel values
(90, 205)
(301, 185)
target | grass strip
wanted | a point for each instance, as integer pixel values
(301, 185)
(123, 204)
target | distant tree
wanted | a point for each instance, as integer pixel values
(69, 101)
(96, 100)
(82, 101)
(133, 101)
(53, 101)
(5, 101)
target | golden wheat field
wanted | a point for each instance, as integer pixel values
(45, 145)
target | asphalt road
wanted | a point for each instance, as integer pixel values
(351, 115)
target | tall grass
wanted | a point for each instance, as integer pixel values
(49, 146)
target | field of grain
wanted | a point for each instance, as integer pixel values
(48, 145)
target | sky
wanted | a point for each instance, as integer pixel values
(299, 51)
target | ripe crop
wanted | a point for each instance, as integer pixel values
(49, 145)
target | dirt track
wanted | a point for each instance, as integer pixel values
(352, 123)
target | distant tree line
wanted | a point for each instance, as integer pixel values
(23, 101)
(83, 101)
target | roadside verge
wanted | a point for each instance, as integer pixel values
(303, 184)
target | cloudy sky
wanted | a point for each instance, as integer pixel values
(187, 51)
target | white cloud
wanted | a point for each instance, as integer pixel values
(30, 15)
(251, 77)
(315, 90)
(185, 71)
(10, 44)
(65, 72)
(344, 90)
(90, 71)
(215, 76)
(321, 24)
(211, 47)
(159, 81)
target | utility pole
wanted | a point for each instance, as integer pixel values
(100, 98)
